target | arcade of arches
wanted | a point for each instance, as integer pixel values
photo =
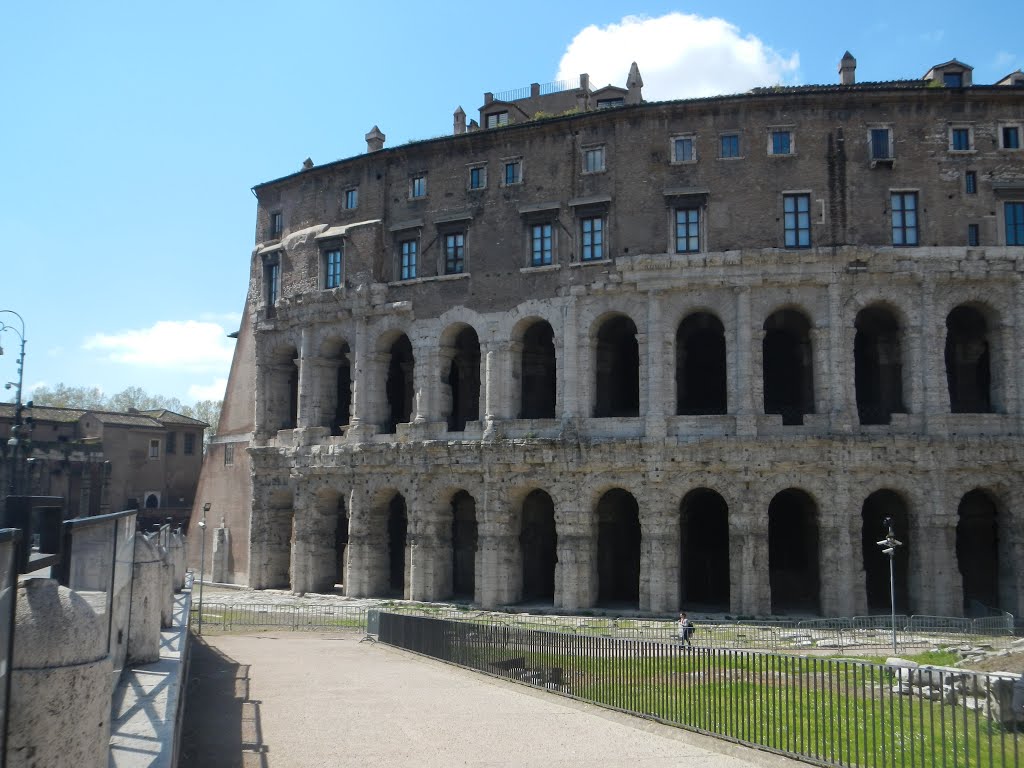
(648, 552)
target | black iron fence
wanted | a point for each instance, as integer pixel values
(10, 539)
(226, 618)
(827, 711)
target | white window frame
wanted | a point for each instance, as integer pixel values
(693, 148)
(774, 129)
(917, 218)
(674, 224)
(739, 145)
(871, 144)
(482, 167)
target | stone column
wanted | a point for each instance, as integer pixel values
(498, 566)
(313, 557)
(656, 425)
(820, 338)
(575, 572)
(659, 563)
(933, 369)
(495, 373)
(741, 392)
(367, 567)
(220, 568)
(934, 548)
(430, 552)
(361, 424)
(841, 364)
(837, 566)
(426, 379)
(307, 385)
(259, 422)
(569, 384)
(749, 581)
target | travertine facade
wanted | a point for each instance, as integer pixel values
(670, 354)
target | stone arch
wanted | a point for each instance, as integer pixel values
(984, 554)
(704, 551)
(538, 543)
(273, 540)
(971, 351)
(878, 364)
(618, 548)
(396, 379)
(788, 365)
(616, 367)
(282, 388)
(464, 545)
(336, 383)
(701, 382)
(793, 553)
(397, 552)
(882, 505)
(460, 374)
(535, 366)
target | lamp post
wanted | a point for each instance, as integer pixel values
(15, 441)
(202, 563)
(888, 545)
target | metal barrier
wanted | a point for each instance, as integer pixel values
(826, 711)
(225, 618)
(10, 539)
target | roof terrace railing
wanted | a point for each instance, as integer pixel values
(546, 89)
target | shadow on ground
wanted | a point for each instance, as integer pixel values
(221, 726)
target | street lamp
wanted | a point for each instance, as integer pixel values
(888, 545)
(202, 563)
(15, 440)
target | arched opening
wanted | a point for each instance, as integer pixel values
(282, 389)
(152, 501)
(399, 386)
(463, 546)
(342, 391)
(793, 553)
(878, 507)
(704, 551)
(275, 542)
(617, 369)
(878, 366)
(978, 552)
(464, 380)
(788, 366)
(700, 365)
(398, 525)
(538, 542)
(968, 361)
(618, 549)
(341, 542)
(537, 379)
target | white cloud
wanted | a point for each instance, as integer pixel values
(213, 391)
(679, 56)
(187, 345)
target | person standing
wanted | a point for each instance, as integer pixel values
(685, 629)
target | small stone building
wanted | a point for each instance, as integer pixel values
(594, 351)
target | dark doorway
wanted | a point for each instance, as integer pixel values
(878, 507)
(538, 372)
(793, 553)
(538, 542)
(618, 549)
(617, 367)
(700, 365)
(343, 392)
(704, 551)
(398, 524)
(464, 380)
(788, 366)
(341, 541)
(878, 366)
(977, 552)
(399, 385)
(463, 546)
(968, 361)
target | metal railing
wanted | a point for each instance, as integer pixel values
(9, 541)
(227, 618)
(826, 711)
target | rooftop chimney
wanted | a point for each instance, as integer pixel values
(375, 140)
(634, 85)
(847, 70)
(459, 125)
(307, 164)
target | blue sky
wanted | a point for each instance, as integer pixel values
(132, 133)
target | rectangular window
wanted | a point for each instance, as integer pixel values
(782, 143)
(881, 144)
(960, 139)
(477, 178)
(272, 276)
(683, 149)
(276, 224)
(953, 79)
(687, 230)
(1014, 213)
(1011, 137)
(498, 118)
(351, 198)
(332, 268)
(971, 183)
(609, 103)
(904, 218)
(730, 144)
(418, 186)
(972, 234)
(454, 253)
(408, 249)
(229, 454)
(154, 449)
(593, 160)
(172, 439)
(190, 444)
(540, 245)
(513, 172)
(797, 220)
(592, 238)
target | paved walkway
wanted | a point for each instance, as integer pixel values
(289, 699)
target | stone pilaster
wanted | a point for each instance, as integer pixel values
(569, 384)
(307, 383)
(367, 553)
(820, 373)
(659, 564)
(841, 366)
(749, 582)
(933, 371)
(426, 382)
(361, 422)
(576, 571)
(840, 569)
(655, 363)
(430, 552)
(499, 578)
(741, 390)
